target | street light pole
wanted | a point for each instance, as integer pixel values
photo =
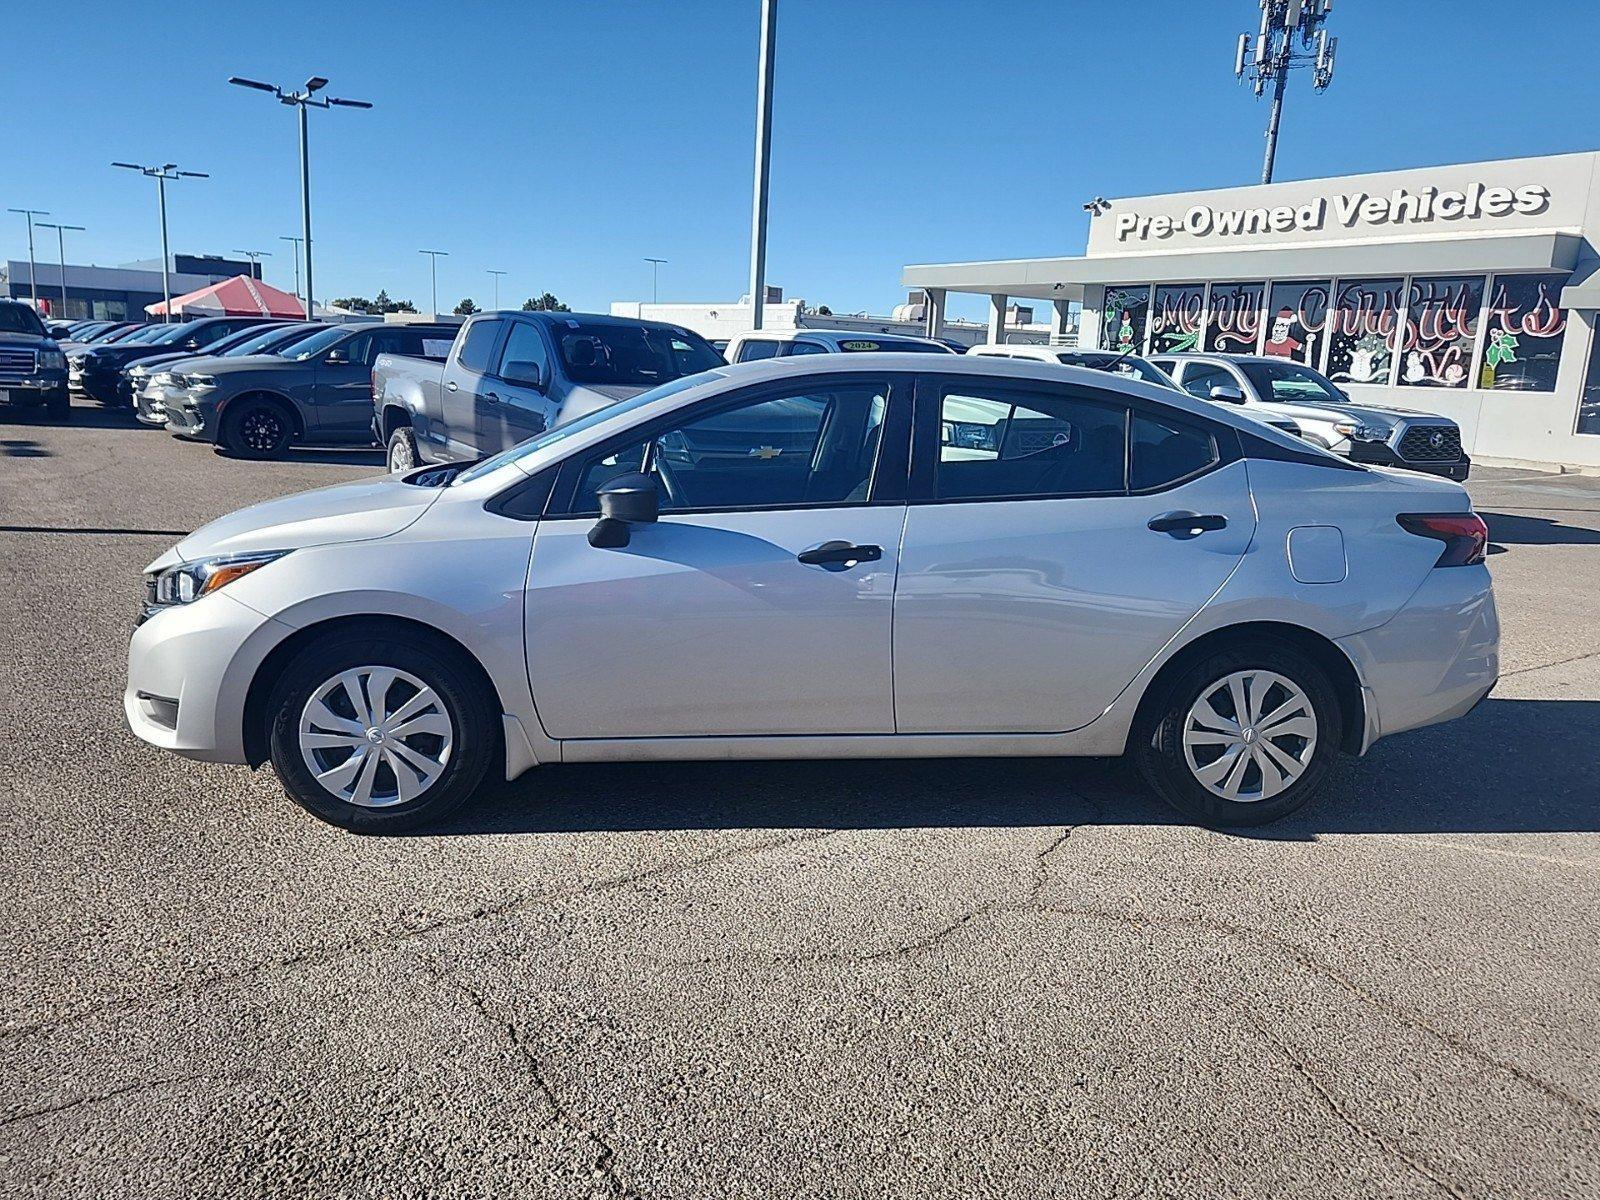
(161, 174)
(496, 275)
(255, 257)
(61, 256)
(303, 99)
(31, 213)
(433, 261)
(655, 267)
(296, 241)
(758, 214)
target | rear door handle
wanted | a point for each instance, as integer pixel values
(834, 553)
(1188, 523)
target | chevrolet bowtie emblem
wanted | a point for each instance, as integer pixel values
(765, 452)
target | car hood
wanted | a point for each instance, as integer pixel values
(1373, 414)
(31, 341)
(347, 512)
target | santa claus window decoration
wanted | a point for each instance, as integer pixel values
(1440, 331)
(1523, 332)
(1126, 311)
(1364, 331)
(1235, 318)
(1297, 318)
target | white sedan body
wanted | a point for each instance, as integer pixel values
(981, 625)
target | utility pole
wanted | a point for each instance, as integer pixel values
(758, 214)
(161, 174)
(433, 263)
(305, 98)
(496, 276)
(655, 278)
(296, 241)
(1272, 56)
(31, 213)
(61, 256)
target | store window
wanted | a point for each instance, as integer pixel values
(1589, 397)
(1297, 320)
(1126, 311)
(1235, 320)
(1522, 341)
(1175, 318)
(1440, 331)
(1364, 331)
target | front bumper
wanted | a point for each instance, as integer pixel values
(100, 383)
(187, 419)
(1381, 454)
(39, 388)
(154, 401)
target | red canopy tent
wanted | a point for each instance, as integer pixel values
(240, 296)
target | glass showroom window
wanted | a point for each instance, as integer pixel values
(1522, 340)
(1364, 331)
(1175, 318)
(1297, 320)
(1589, 397)
(1440, 331)
(1126, 311)
(1235, 321)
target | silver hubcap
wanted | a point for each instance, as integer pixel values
(1249, 736)
(376, 736)
(399, 457)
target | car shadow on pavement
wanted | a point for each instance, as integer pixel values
(1516, 530)
(86, 416)
(328, 456)
(1454, 778)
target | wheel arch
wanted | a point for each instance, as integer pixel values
(1321, 649)
(395, 415)
(277, 399)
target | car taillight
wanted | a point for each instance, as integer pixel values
(1465, 536)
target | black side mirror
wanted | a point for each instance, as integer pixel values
(626, 500)
(1227, 393)
(523, 374)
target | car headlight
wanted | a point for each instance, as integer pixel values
(1356, 431)
(200, 383)
(187, 582)
(52, 360)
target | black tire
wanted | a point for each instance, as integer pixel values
(401, 454)
(465, 698)
(256, 428)
(1159, 746)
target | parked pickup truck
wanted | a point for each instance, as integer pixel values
(33, 370)
(319, 390)
(510, 375)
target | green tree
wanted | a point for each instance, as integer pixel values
(544, 303)
(358, 304)
(466, 308)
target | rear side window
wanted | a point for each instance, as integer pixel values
(1002, 444)
(478, 346)
(1166, 451)
(758, 348)
(807, 348)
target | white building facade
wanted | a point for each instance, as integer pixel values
(1468, 290)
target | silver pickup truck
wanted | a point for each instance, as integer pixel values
(511, 375)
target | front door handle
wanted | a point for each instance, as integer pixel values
(839, 554)
(451, 386)
(1188, 523)
(492, 397)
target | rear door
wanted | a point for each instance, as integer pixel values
(1042, 566)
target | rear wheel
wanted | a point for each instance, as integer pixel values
(402, 450)
(256, 429)
(1243, 737)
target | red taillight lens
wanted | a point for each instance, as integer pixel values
(1465, 536)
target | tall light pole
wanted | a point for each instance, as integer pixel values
(1273, 56)
(161, 174)
(433, 262)
(255, 257)
(496, 275)
(303, 99)
(655, 267)
(61, 256)
(31, 213)
(296, 241)
(758, 214)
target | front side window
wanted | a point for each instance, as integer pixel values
(1165, 451)
(1200, 378)
(812, 448)
(1364, 331)
(1234, 322)
(1175, 318)
(318, 342)
(524, 354)
(1522, 343)
(1013, 445)
(1440, 331)
(358, 350)
(1123, 318)
(1291, 383)
(478, 346)
(758, 348)
(1297, 319)
(806, 348)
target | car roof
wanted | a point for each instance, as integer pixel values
(586, 318)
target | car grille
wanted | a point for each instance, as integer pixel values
(16, 365)
(1418, 444)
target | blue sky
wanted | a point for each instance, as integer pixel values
(563, 143)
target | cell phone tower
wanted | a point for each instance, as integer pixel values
(1271, 55)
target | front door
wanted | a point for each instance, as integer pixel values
(1032, 587)
(467, 384)
(342, 404)
(759, 603)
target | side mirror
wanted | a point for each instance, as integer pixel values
(626, 500)
(524, 374)
(1227, 393)
(336, 358)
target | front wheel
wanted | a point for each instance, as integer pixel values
(383, 733)
(256, 429)
(1245, 736)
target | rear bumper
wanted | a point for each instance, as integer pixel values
(1381, 454)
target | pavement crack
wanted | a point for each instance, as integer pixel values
(1560, 662)
(143, 1085)
(1345, 1117)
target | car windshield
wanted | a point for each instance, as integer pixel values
(1120, 364)
(146, 333)
(588, 421)
(318, 342)
(257, 341)
(1291, 381)
(19, 318)
(169, 335)
(242, 337)
(629, 355)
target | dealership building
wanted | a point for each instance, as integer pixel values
(114, 293)
(1469, 290)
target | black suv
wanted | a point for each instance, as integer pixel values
(33, 370)
(97, 370)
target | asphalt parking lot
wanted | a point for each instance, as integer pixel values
(959, 979)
